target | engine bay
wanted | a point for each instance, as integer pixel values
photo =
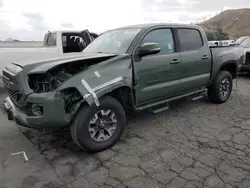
(53, 78)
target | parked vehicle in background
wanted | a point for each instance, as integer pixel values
(133, 68)
(245, 43)
(221, 43)
(57, 42)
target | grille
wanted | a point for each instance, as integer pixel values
(7, 75)
(12, 94)
(247, 58)
(5, 81)
(7, 78)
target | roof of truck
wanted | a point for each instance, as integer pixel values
(70, 31)
(159, 24)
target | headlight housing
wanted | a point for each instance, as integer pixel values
(13, 68)
(37, 109)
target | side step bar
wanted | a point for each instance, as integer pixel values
(161, 109)
(196, 98)
(197, 95)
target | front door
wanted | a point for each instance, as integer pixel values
(157, 76)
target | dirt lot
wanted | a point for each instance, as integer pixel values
(195, 144)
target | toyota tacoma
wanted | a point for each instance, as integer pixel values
(133, 68)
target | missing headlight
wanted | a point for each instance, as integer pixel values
(70, 96)
(37, 109)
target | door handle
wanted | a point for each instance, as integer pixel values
(204, 57)
(175, 61)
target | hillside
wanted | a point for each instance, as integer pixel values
(234, 22)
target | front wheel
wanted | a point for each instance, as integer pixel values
(96, 128)
(221, 88)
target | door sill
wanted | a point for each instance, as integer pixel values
(159, 102)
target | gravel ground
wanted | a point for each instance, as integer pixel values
(195, 144)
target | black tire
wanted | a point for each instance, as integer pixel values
(80, 126)
(214, 93)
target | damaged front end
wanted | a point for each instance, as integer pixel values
(53, 80)
(52, 92)
(54, 95)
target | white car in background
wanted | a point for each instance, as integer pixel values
(221, 43)
(244, 41)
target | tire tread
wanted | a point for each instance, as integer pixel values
(84, 112)
(214, 89)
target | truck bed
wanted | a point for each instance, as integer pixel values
(224, 54)
(20, 44)
(217, 50)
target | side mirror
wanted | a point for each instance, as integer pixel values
(148, 49)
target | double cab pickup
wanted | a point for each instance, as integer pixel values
(128, 69)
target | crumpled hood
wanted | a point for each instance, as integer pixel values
(37, 65)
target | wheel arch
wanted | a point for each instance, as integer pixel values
(230, 66)
(124, 95)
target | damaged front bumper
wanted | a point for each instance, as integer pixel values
(12, 113)
(53, 114)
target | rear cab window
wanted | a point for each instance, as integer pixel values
(190, 39)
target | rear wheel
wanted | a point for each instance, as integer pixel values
(97, 128)
(221, 88)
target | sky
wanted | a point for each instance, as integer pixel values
(31, 19)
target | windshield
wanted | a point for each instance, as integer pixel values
(240, 40)
(115, 41)
(246, 43)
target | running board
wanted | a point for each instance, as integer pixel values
(143, 107)
(158, 110)
(196, 98)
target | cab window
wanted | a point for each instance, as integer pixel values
(163, 37)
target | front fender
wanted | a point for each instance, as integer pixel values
(95, 93)
(94, 87)
(102, 78)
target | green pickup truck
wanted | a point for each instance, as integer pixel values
(133, 68)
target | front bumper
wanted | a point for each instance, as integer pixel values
(12, 113)
(53, 115)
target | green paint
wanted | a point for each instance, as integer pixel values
(151, 77)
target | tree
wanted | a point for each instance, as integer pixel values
(218, 34)
(210, 36)
(221, 35)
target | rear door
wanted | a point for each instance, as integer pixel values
(157, 76)
(195, 59)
